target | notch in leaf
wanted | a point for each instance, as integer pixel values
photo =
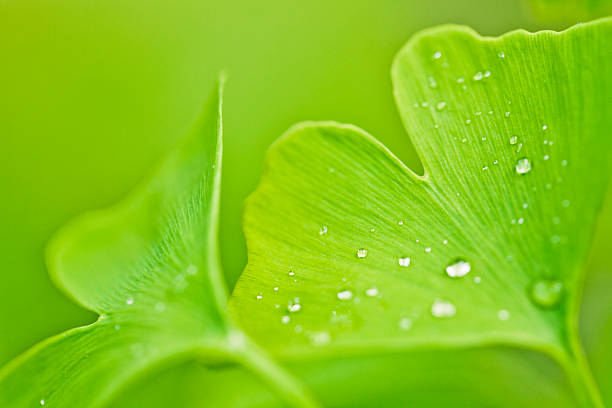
(486, 248)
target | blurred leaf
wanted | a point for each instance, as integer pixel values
(571, 11)
(149, 267)
(351, 252)
(487, 377)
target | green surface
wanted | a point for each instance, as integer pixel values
(93, 94)
(351, 251)
(149, 267)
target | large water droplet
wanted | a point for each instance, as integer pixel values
(362, 253)
(443, 309)
(523, 166)
(344, 295)
(458, 268)
(547, 293)
(405, 261)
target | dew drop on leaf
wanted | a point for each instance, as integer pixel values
(344, 295)
(443, 309)
(285, 319)
(503, 315)
(323, 230)
(319, 338)
(458, 269)
(437, 55)
(546, 293)
(294, 305)
(371, 292)
(440, 106)
(478, 76)
(513, 140)
(362, 253)
(405, 261)
(405, 323)
(129, 301)
(523, 166)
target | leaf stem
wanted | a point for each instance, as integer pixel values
(258, 361)
(579, 373)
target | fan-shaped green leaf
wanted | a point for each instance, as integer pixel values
(149, 267)
(351, 251)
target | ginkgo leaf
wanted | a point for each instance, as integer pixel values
(351, 252)
(149, 267)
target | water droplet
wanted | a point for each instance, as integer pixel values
(276, 288)
(362, 253)
(192, 270)
(478, 76)
(129, 301)
(487, 74)
(460, 80)
(160, 307)
(544, 127)
(513, 140)
(521, 220)
(445, 241)
(468, 121)
(291, 272)
(437, 55)
(555, 239)
(485, 168)
(344, 295)
(432, 82)
(443, 308)
(523, 166)
(507, 114)
(42, 402)
(424, 104)
(565, 203)
(503, 315)
(525, 205)
(400, 222)
(564, 163)
(117, 327)
(518, 149)
(259, 297)
(323, 230)
(458, 268)
(556, 220)
(477, 279)
(405, 323)
(547, 293)
(490, 112)
(285, 319)
(501, 54)
(546, 157)
(478, 113)
(320, 338)
(405, 261)
(440, 105)
(294, 305)
(372, 292)
(428, 249)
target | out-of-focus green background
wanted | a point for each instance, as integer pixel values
(92, 93)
